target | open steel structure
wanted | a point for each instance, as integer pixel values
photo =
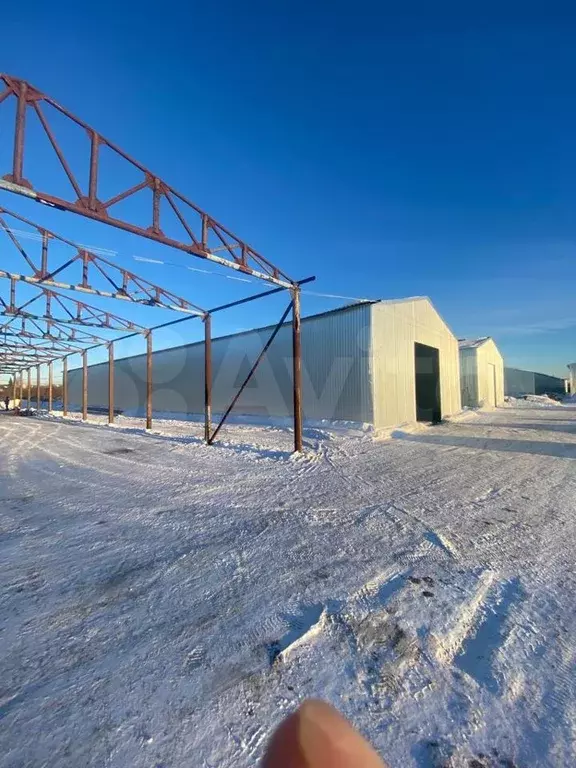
(51, 326)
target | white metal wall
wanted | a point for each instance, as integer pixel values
(488, 355)
(518, 382)
(469, 377)
(475, 372)
(396, 327)
(357, 365)
(572, 380)
(335, 373)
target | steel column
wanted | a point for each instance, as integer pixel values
(207, 378)
(18, 158)
(38, 388)
(44, 263)
(111, 383)
(50, 387)
(84, 385)
(149, 380)
(65, 386)
(93, 178)
(29, 388)
(297, 369)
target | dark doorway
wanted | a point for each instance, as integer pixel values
(427, 367)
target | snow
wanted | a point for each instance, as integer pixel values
(165, 603)
(472, 343)
(529, 401)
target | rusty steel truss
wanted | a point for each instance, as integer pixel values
(51, 326)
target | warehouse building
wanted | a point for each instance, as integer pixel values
(481, 373)
(518, 382)
(382, 363)
(571, 383)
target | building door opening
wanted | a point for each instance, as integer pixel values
(427, 367)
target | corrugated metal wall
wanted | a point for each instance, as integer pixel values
(396, 327)
(335, 366)
(469, 377)
(572, 375)
(482, 376)
(519, 382)
(545, 384)
(488, 355)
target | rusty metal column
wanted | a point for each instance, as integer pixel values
(29, 388)
(111, 383)
(38, 388)
(149, 380)
(297, 369)
(84, 386)
(50, 387)
(207, 377)
(65, 386)
(18, 158)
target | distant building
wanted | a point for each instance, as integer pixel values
(383, 363)
(481, 373)
(518, 382)
(572, 378)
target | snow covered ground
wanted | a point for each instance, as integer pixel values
(166, 604)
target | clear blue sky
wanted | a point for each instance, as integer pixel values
(429, 151)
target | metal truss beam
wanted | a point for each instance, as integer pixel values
(73, 312)
(42, 345)
(122, 283)
(199, 234)
(48, 329)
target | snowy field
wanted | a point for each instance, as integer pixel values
(165, 604)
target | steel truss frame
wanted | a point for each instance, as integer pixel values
(51, 326)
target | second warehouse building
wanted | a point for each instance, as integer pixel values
(382, 363)
(481, 373)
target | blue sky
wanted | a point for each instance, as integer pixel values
(391, 153)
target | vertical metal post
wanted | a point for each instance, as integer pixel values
(85, 265)
(18, 160)
(44, 265)
(50, 387)
(111, 383)
(84, 385)
(65, 386)
(149, 380)
(207, 377)
(156, 206)
(297, 369)
(29, 388)
(38, 388)
(93, 178)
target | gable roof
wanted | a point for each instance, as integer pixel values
(473, 343)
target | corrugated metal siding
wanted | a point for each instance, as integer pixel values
(482, 376)
(545, 384)
(396, 327)
(572, 374)
(335, 365)
(518, 382)
(469, 377)
(488, 355)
